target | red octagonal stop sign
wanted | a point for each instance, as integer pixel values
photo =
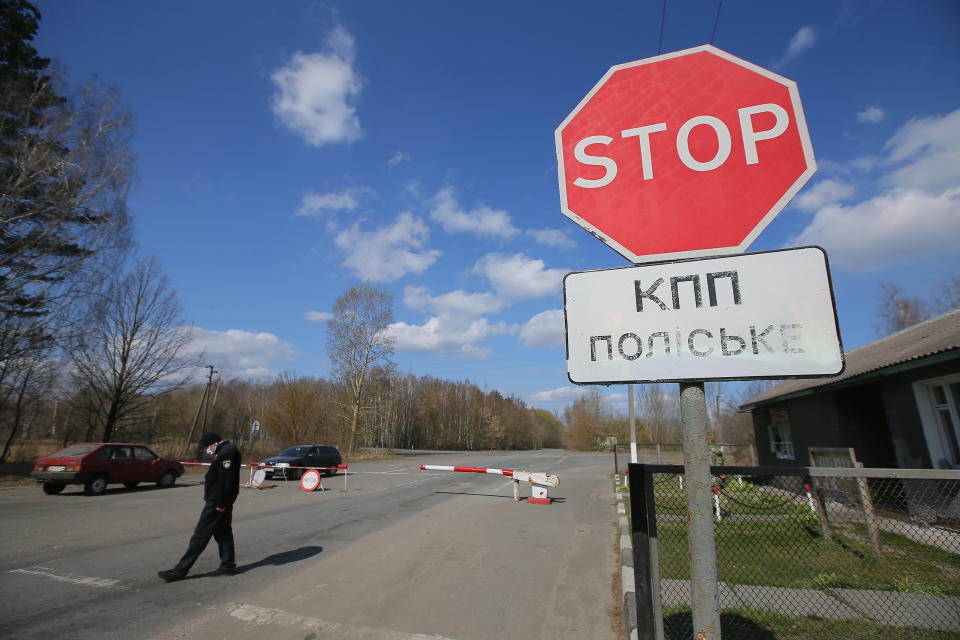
(686, 154)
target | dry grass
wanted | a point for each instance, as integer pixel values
(16, 474)
(365, 455)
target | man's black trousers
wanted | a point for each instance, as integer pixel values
(218, 525)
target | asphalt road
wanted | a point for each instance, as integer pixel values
(403, 554)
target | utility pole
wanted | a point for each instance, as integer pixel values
(216, 391)
(206, 395)
(202, 407)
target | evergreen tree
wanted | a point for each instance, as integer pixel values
(65, 170)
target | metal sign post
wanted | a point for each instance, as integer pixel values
(630, 175)
(698, 488)
(761, 315)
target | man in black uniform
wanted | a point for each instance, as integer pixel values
(220, 488)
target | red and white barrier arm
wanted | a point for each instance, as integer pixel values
(339, 467)
(439, 467)
(269, 466)
(539, 480)
(201, 464)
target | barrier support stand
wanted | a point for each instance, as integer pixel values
(539, 481)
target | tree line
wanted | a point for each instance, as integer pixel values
(403, 411)
(591, 423)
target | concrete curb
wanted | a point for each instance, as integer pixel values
(627, 584)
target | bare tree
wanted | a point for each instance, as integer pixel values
(584, 419)
(63, 217)
(357, 340)
(948, 297)
(898, 311)
(131, 347)
(658, 409)
(65, 171)
(295, 410)
(23, 389)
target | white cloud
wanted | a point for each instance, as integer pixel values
(456, 328)
(823, 193)
(241, 354)
(397, 158)
(455, 303)
(387, 253)
(317, 316)
(871, 115)
(865, 163)
(316, 92)
(801, 41)
(917, 217)
(316, 204)
(551, 238)
(931, 149)
(448, 336)
(483, 221)
(412, 188)
(561, 394)
(546, 329)
(897, 227)
(518, 277)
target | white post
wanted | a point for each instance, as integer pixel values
(633, 425)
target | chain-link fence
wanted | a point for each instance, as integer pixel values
(720, 454)
(806, 553)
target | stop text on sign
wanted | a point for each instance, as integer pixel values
(687, 154)
(749, 136)
(762, 315)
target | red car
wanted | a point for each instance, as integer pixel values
(95, 465)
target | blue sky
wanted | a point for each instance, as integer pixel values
(288, 150)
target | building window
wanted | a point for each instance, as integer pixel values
(938, 402)
(781, 440)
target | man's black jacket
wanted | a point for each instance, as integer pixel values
(222, 482)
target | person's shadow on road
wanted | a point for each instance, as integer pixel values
(286, 557)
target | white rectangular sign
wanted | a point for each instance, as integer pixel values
(757, 315)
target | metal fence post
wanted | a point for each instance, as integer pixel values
(821, 504)
(640, 532)
(655, 585)
(869, 514)
(700, 534)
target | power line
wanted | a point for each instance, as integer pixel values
(663, 19)
(716, 21)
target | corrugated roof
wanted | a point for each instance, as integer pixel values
(928, 338)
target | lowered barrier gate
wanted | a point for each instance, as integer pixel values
(309, 478)
(539, 481)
